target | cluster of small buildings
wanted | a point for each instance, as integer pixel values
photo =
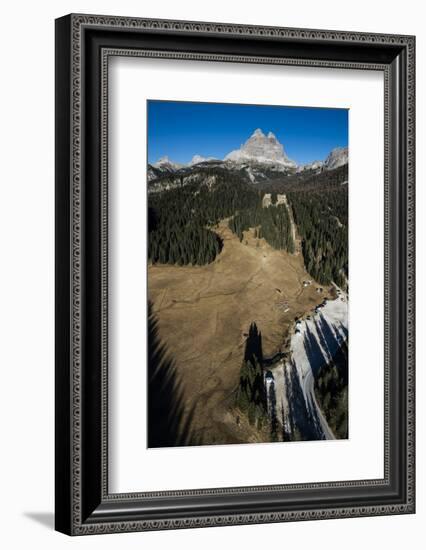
(267, 200)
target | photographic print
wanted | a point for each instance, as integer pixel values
(203, 198)
(248, 276)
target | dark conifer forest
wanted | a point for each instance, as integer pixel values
(182, 218)
(272, 224)
(322, 222)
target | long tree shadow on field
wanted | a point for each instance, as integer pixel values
(168, 426)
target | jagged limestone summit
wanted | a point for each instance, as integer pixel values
(260, 155)
(263, 149)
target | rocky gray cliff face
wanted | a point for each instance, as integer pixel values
(164, 163)
(316, 165)
(337, 157)
(262, 149)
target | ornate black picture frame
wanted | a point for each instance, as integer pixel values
(83, 45)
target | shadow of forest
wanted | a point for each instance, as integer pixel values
(168, 423)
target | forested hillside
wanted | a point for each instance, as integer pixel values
(272, 224)
(180, 219)
(308, 180)
(322, 222)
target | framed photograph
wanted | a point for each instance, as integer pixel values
(234, 274)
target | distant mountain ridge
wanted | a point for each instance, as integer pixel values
(261, 156)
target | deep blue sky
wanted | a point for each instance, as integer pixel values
(181, 130)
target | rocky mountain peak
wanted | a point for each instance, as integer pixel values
(262, 149)
(162, 160)
(257, 133)
(166, 163)
(337, 157)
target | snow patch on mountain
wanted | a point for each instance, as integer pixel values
(164, 163)
(198, 159)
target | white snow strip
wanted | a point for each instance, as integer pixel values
(314, 343)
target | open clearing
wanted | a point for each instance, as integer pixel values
(204, 313)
